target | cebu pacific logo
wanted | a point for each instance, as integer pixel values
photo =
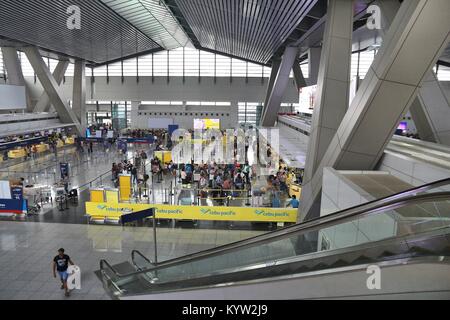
(107, 208)
(205, 211)
(271, 213)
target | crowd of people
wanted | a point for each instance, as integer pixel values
(139, 176)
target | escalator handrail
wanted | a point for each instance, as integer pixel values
(133, 254)
(261, 239)
(335, 218)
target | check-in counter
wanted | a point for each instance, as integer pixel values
(41, 147)
(17, 153)
(60, 144)
(70, 140)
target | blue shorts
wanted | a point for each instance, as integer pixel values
(63, 275)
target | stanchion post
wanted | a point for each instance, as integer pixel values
(154, 236)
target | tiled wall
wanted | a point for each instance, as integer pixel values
(413, 172)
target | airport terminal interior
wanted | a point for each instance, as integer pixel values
(224, 149)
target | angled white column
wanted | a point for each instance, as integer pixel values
(430, 111)
(314, 58)
(66, 115)
(15, 74)
(298, 76)
(43, 104)
(273, 76)
(79, 93)
(273, 102)
(416, 39)
(332, 96)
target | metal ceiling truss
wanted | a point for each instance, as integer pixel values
(104, 35)
(249, 29)
(154, 19)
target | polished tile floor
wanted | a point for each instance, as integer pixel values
(27, 250)
(28, 244)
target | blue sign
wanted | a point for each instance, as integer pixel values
(64, 168)
(147, 140)
(135, 216)
(17, 193)
(13, 206)
(172, 128)
(122, 145)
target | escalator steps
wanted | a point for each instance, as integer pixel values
(421, 251)
(362, 260)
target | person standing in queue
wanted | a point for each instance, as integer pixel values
(294, 202)
(61, 264)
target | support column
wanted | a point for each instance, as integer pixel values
(333, 84)
(43, 104)
(418, 36)
(15, 74)
(314, 58)
(79, 93)
(273, 75)
(234, 114)
(298, 76)
(66, 115)
(430, 111)
(135, 114)
(273, 102)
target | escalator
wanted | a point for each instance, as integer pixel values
(406, 235)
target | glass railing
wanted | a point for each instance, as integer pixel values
(415, 212)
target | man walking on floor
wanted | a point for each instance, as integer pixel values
(61, 264)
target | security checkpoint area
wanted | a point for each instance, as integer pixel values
(224, 150)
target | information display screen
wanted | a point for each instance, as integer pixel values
(203, 124)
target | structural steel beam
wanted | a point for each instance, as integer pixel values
(66, 115)
(79, 93)
(273, 102)
(416, 39)
(430, 111)
(273, 76)
(298, 76)
(43, 104)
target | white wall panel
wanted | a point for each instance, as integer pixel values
(12, 97)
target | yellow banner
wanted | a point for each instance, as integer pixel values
(115, 210)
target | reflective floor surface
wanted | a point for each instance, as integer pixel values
(27, 250)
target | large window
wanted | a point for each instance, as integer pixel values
(146, 66)
(194, 63)
(248, 112)
(365, 61)
(443, 73)
(186, 62)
